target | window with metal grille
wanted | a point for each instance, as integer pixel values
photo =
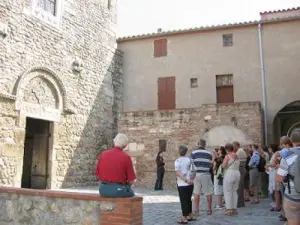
(227, 40)
(194, 82)
(48, 6)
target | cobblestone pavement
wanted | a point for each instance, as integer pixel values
(162, 208)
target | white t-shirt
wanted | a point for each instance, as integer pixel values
(183, 164)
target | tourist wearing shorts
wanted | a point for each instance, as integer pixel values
(203, 161)
(291, 202)
(254, 174)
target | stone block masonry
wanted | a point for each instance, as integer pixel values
(39, 207)
(64, 69)
(181, 126)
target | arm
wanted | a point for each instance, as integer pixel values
(282, 171)
(97, 171)
(225, 162)
(252, 160)
(130, 172)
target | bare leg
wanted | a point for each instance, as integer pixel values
(219, 199)
(196, 204)
(209, 204)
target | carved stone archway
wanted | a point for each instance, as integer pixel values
(40, 94)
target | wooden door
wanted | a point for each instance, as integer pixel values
(39, 172)
(166, 93)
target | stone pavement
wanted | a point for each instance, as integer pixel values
(162, 208)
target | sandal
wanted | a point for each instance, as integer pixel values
(182, 222)
(209, 212)
(275, 209)
(246, 200)
(234, 212)
(228, 212)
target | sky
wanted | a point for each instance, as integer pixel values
(146, 16)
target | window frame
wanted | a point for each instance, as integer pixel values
(227, 40)
(46, 16)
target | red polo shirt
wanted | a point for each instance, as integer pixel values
(115, 166)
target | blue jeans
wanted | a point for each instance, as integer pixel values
(112, 190)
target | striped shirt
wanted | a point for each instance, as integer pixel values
(288, 166)
(202, 160)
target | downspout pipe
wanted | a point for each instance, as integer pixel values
(263, 82)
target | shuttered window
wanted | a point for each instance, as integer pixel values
(160, 47)
(166, 93)
(224, 88)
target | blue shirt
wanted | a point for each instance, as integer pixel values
(254, 161)
(284, 152)
(202, 160)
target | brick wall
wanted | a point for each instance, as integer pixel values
(146, 128)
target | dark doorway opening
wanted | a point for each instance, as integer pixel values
(36, 154)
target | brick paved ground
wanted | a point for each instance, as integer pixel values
(162, 208)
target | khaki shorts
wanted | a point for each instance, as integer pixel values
(291, 209)
(203, 184)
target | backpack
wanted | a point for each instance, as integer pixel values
(296, 177)
(261, 165)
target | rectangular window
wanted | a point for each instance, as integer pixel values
(166, 93)
(109, 4)
(194, 82)
(162, 145)
(160, 47)
(227, 40)
(224, 88)
(48, 6)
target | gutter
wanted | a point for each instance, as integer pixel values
(263, 82)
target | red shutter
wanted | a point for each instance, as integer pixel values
(166, 93)
(225, 94)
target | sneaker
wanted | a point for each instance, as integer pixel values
(220, 207)
(272, 204)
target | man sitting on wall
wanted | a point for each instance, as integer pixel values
(115, 170)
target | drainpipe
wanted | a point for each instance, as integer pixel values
(263, 81)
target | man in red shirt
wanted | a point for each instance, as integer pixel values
(115, 170)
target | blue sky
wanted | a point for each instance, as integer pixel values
(144, 16)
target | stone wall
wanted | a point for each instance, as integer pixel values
(31, 207)
(64, 69)
(187, 126)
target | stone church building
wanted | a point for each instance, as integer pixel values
(60, 90)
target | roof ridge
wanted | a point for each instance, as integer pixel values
(203, 28)
(280, 10)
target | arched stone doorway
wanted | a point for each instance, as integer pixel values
(287, 119)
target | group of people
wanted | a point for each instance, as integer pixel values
(232, 173)
(241, 175)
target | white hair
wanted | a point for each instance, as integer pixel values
(121, 140)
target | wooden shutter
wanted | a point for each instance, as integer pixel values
(225, 94)
(160, 47)
(166, 93)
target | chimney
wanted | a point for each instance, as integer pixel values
(159, 30)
